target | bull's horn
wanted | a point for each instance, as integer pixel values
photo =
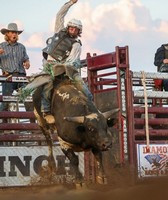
(110, 113)
(79, 119)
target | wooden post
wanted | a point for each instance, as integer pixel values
(146, 110)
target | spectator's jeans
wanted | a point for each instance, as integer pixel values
(164, 69)
(46, 92)
(9, 87)
(7, 90)
(165, 84)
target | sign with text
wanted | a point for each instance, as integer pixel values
(21, 166)
(152, 161)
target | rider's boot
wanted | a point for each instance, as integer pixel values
(49, 118)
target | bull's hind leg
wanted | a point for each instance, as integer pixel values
(74, 163)
(100, 175)
(47, 133)
(52, 164)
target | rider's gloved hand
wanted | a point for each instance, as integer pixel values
(74, 1)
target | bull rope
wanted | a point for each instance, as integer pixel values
(146, 109)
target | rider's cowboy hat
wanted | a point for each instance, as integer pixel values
(11, 27)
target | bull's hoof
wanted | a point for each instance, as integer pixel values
(101, 179)
(80, 186)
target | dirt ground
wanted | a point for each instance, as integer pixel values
(121, 186)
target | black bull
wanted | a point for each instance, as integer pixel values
(80, 125)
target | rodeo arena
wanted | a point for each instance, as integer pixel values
(138, 151)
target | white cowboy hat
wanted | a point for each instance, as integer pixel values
(11, 27)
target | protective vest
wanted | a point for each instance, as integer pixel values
(59, 46)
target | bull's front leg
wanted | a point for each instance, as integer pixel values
(100, 175)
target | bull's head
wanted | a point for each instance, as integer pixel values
(95, 128)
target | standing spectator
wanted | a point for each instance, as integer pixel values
(161, 61)
(14, 61)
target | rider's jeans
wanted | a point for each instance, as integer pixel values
(46, 97)
(46, 92)
(165, 84)
(80, 84)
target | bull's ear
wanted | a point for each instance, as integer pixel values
(79, 119)
(110, 113)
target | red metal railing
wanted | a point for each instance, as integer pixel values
(107, 73)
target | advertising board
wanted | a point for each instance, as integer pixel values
(152, 161)
(21, 166)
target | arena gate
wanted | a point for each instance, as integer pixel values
(149, 128)
(140, 136)
(108, 81)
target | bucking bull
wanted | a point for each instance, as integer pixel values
(80, 125)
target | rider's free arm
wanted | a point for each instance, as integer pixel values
(59, 21)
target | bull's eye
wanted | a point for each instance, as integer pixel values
(81, 129)
(91, 128)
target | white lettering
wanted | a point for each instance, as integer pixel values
(63, 95)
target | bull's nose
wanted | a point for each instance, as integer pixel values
(105, 144)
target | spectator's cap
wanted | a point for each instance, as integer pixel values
(11, 27)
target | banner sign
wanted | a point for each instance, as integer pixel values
(21, 166)
(152, 161)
